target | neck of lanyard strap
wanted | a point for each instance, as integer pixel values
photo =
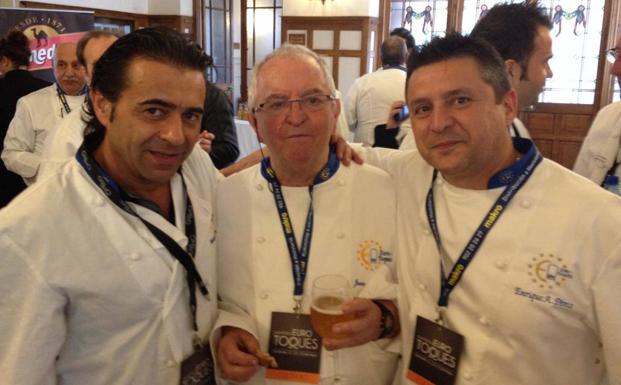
(63, 99)
(449, 282)
(119, 197)
(299, 256)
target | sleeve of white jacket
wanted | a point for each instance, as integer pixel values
(606, 289)
(32, 318)
(19, 144)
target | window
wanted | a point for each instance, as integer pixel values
(476, 9)
(424, 18)
(263, 20)
(218, 40)
(576, 37)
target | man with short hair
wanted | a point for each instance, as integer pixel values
(39, 113)
(295, 217)
(600, 154)
(406, 35)
(108, 270)
(498, 282)
(520, 32)
(65, 140)
(372, 94)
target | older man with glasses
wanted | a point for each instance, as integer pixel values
(295, 217)
(600, 155)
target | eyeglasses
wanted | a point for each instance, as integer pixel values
(311, 103)
(612, 55)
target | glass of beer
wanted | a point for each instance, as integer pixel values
(329, 293)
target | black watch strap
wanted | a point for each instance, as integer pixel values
(387, 322)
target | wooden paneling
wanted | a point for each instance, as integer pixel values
(558, 130)
(365, 25)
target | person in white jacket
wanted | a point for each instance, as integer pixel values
(509, 263)
(64, 141)
(600, 154)
(299, 210)
(38, 114)
(108, 266)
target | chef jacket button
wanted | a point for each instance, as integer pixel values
(501, 265)
(260, 187)
(135, 256)
(426, 232)
(170, 363)
(440, 182)
(484, 321)
(525, 203)
(467, 376)
(422, 286)
(98, 201)
(260, 239)
(337, 380)
(264, 296)
(341, 182)
(340, 235)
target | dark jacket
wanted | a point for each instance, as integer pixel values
(14, 85)
(219, 120)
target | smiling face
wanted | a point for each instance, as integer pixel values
(295, 137)
(459, 127)
(153, 126)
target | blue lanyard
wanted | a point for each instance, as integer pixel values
(63, 100)
(299, 256)
(119, 197)
(517, 180)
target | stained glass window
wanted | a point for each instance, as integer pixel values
(424, 18)
(576, 37)
(475, 9)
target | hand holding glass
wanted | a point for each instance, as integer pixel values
(329, 293)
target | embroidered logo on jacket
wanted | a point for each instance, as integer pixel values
(370, 255)
(546, 273)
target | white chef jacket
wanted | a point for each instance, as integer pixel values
(62, 143)
(349, 231)
(369, 100)
(602, 145)
(36, 116)
(523, 321)
(90, 296)
(409, 142)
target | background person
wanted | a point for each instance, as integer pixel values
(65, 140)
(600, 153)
(39, 113)
(16, 82)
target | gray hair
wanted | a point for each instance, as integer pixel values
(292, 51)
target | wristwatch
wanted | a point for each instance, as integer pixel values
(387, 322)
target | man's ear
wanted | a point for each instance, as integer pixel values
(253, 122)
(102, 107)
(514, 69)
(510, 105)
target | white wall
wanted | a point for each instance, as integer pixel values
(330, 8)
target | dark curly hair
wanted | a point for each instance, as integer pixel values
(16, 48)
